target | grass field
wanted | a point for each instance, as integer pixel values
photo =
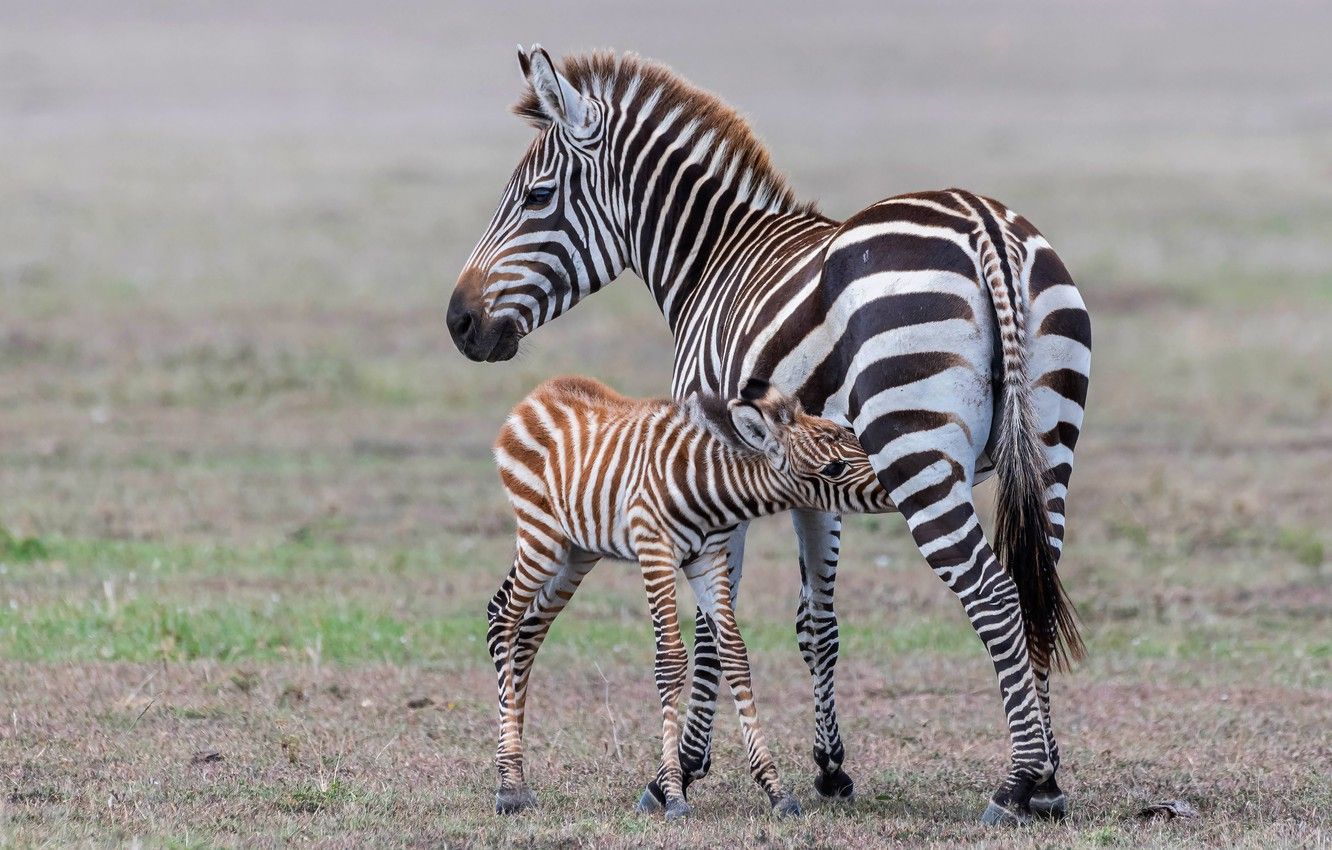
(250, 521)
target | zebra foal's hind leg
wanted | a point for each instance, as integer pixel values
(532, 568)
(535, 625)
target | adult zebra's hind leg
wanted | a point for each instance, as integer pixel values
(933, 492)
(1049, 800)
(820, 536)
(1059, 364)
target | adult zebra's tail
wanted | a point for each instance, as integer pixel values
(1022, 520)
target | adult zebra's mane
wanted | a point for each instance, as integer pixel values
(629, 81)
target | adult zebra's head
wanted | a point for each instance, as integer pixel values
(550, 241)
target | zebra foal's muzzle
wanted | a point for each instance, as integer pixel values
(478, 336)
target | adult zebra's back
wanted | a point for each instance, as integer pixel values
(939, 325)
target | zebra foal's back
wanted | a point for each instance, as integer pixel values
(569, 456)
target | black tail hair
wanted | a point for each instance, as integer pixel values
(1022, 544)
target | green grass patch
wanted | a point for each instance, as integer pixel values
(148, 630)
(21, 550)
(310, 797)
(345, 632)
(1304, 545)
(308, 548)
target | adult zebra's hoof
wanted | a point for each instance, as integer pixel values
(997, 815)
(653, 800)
(786, 806)
(1049, 805)
(835, 786)
(511, 801)
(677, 809)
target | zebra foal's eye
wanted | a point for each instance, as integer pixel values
(538, 196)
(834, 469)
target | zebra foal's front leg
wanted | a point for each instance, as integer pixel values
(696, 738)
(669, 671)
(708, 578)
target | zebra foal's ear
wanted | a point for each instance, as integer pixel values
(757, 430)
(557, 99)
(777, 405)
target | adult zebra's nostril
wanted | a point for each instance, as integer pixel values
(462, 322)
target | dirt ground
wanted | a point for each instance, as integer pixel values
(249, 522)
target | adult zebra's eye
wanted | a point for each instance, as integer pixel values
(834, 470)
(538, 196)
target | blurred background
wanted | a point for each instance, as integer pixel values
(247, 508)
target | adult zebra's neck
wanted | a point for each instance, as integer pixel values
(696, 192)
(697, 238)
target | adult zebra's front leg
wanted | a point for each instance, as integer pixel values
(820, 536)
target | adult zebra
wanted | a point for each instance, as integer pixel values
(939, 325)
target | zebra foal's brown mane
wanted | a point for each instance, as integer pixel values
(607, 76)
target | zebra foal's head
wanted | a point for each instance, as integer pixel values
(822, 464)
(550, 241)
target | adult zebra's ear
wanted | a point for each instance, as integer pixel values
(559, 101)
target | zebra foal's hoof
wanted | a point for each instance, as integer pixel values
(1052, 806)
(786, 806)
(835, 786)
(677, 809)
(653, 800)
(511, 801)
(997, 815)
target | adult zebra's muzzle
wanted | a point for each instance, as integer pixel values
(478, 336)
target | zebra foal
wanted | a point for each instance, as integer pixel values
(593, 474)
